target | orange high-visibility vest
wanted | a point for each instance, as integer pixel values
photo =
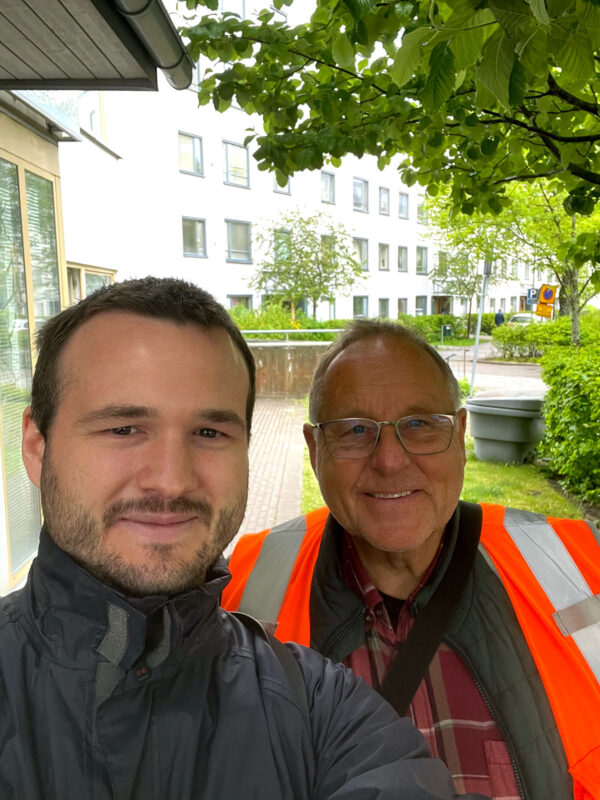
(550, 569)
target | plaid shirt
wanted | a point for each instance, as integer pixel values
(447, 708)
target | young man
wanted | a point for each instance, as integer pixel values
(508, 695)
(119, 675)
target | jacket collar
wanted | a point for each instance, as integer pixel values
(73, 613)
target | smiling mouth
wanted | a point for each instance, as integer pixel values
(390, 495)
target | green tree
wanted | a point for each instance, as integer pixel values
(305, 256)
(476, 94)
(535, 229)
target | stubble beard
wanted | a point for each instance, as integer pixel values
(161, 571)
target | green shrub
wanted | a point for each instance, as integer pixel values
(516, 342)
(572, 410)
(465, 388)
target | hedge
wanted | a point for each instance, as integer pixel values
(572, 410)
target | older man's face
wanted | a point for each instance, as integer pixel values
(391, 500)
(144, 471)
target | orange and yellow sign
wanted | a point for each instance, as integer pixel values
(546, 300)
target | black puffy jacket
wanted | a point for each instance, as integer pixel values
(103, 697)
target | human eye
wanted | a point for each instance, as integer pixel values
(124, 430)
(210, 433)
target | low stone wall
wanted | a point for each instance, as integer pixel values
(285, 369)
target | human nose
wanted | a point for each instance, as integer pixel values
(169, 468)
(389, 452)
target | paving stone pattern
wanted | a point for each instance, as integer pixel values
(276, 456)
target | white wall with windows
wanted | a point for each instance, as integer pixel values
(162, 186)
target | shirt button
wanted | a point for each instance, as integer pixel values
(368, 618)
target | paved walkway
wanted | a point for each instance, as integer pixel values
(276, 457)
(277, 444)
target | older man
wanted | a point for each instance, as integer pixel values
(495, 651)
(119, 675)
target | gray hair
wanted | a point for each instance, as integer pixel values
(362, 329)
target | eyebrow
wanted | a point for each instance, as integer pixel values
(112, 412)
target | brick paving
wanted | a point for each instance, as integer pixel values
(276, 457)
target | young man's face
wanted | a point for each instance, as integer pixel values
(144, 473)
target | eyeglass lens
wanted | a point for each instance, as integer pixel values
(421, 434)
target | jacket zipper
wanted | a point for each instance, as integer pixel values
(509, 745)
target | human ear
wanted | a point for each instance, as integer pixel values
(32, 447)
(309, 438)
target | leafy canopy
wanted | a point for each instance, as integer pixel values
(472, 93)
(306, 256)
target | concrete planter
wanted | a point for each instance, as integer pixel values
(505, 429)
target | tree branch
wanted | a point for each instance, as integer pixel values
(558, 91)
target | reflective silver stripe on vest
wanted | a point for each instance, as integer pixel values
(268, 581)
(577, 608)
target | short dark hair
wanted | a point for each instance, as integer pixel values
(362, 329)
(167, 299)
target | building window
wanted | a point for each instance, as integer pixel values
(422, 217)
(527, 271)
(402, 259)
(360, 195)
(492, 303)
(190, 154)
(361, 252)
(384, 200)
(503, 304)
(194, 237)
(514, 268)
(236, 164)
(384, 257)
(243, 300)
(402, 305)
(513, 303)
(332, 309)
(238, 241)
(360, 306)
(442, 262)
(282, 245)
(327, 187)
(421, 260)
(403, 205)
(281, 189)
(384, 308)
(420, 305)
(82, 281)
(29, 262)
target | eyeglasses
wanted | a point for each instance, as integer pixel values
(419, 434)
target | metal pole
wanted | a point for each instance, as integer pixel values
(487, 271)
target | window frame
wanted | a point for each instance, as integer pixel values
(229, 258)
(404, 249)
(194, 219)
(226, 180)
(383, 248)
(364, 261)
(385, 300)
(365, 299)
(384, 192)
(364, 208)
(403, 300)
(195, 138)
(332, 184)
(422, 249)
(400, 196)
(420, 312)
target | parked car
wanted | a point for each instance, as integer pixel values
(524, 318)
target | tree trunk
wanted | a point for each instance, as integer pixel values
(572, 278)
(314, 304)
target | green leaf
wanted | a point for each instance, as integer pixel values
(466, 47)
(496, 66)
(360, 8)
(516, 84)
(342, 51)
(539, 11)
(577, 59)
(440, 80)
(409, 56)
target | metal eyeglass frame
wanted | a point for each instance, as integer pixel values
(395, 423)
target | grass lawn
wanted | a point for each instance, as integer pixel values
(517, 485)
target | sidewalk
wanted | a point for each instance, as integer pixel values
(276, 457)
